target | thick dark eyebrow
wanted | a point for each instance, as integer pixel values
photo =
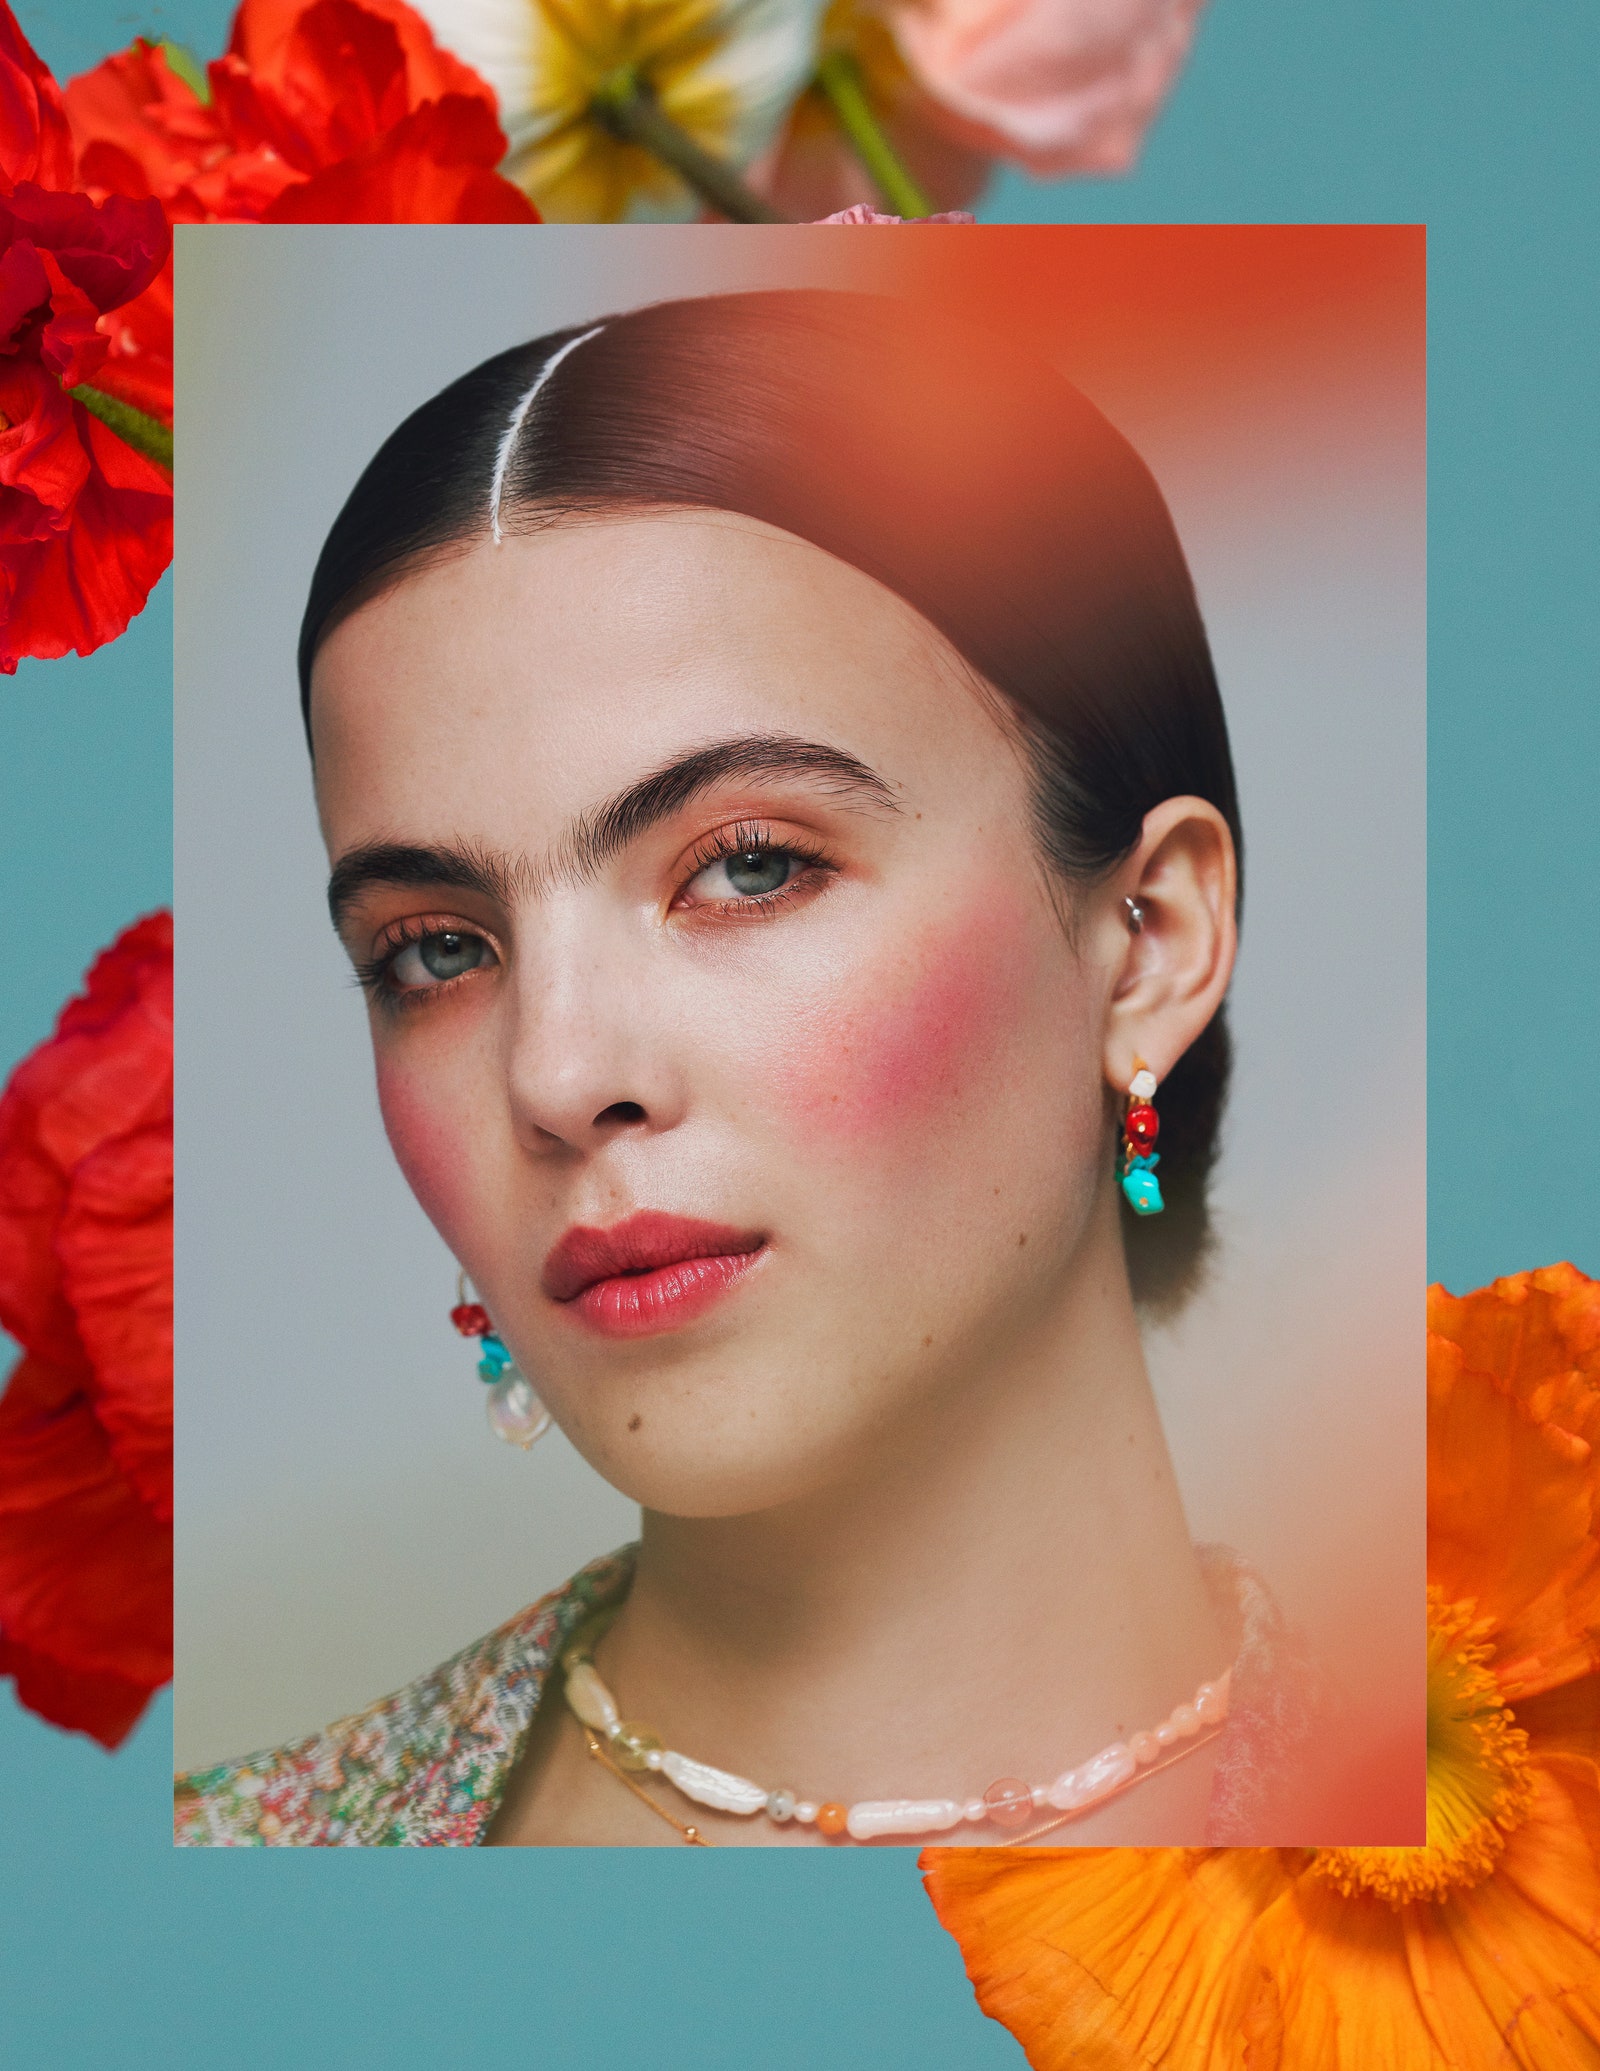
(606, 829)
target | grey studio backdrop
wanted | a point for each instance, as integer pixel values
(345, 1519)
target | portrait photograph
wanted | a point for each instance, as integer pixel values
(800, 1036)
(800, 800)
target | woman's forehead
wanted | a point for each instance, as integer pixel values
(572, 658)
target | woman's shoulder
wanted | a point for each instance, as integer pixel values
(423, 1767)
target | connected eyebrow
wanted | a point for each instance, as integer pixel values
(606, 829)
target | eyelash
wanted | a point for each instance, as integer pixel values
(752, 838)
(374, 973)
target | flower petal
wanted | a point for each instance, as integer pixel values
(85, 1569)
(1115, 1958)
(434, 166)
(1565, 1720)
(104, 1077)
(726, 71)
(139, 128)
(77, 589)
(1061, 86)
(35, 141)
(1512, 1521)
(1513, 1966)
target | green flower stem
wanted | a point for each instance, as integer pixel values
(629, 110)
(839, 78)
(144, 434)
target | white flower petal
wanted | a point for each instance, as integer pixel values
(762, 54)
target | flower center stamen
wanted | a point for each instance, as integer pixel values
(1478, 1782)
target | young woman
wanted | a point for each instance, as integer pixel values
(780, 808)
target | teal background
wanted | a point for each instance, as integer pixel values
(1475, 119)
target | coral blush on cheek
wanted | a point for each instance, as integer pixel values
(905, 1045)
(430, 1144)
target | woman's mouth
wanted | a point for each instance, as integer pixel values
(649, 1273)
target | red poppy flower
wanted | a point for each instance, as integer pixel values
(85, 519)
(86, 1290)
(35, 142)
(334, 111)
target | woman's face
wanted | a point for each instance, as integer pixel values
(724, 1024)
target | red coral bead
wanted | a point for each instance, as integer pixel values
(472, 1320)
(1143, 1126)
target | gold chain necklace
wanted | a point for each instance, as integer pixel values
(691, 1834)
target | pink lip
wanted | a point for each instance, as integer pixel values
(649, 1273)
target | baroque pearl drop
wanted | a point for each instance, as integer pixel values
(1143, 1085)
(805, 1813)
(1212, 1704)
(1166, 1733)
(1093, 1779)
(1185, 1721)
(515, 1413)
(711, 1786)
(590, 1698)
(1144, 1747)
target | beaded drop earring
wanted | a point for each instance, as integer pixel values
(515, 1413)
(1138, 1159)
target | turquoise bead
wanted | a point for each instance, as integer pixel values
(1143, 1190)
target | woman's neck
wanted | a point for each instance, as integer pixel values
(1002, 1589)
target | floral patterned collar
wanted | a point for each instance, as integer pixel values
(426, 1767)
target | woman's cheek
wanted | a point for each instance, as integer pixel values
(429, 1145)
(911, 1046)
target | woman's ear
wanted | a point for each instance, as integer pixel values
(1173, 901)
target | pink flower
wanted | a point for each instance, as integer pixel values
(862, 214)
(1059, 86)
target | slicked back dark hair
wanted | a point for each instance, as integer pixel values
(966, 475)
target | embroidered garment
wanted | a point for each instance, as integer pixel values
(426, 1768)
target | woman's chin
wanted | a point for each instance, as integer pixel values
(673, 1465)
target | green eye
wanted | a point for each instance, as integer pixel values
(758, 871)
(447, 956)
(434, 958)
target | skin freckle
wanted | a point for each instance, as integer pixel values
(635, 1421)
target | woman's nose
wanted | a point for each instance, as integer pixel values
(588, 1055)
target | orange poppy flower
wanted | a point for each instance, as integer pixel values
(1483, 1948)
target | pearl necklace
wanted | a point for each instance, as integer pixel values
(1006, 1803)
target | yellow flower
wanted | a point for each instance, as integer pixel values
(1481, 1949)
(724, 73)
